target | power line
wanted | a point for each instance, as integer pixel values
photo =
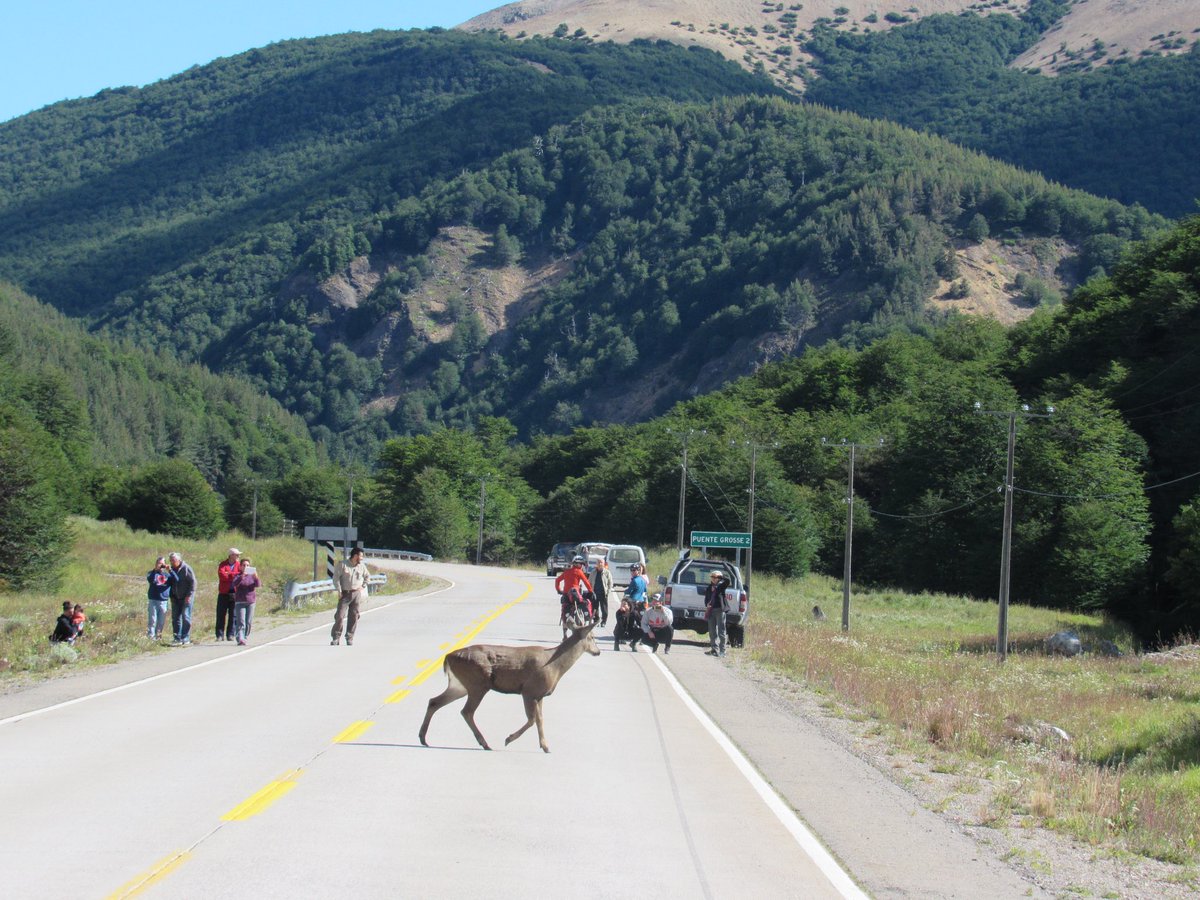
(944, 512)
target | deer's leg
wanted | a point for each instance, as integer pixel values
(454, 690)
(530, 716)
(537, 706)
(468, 713)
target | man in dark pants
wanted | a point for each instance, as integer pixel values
(602, 588)
(225, 572)
(183, 596)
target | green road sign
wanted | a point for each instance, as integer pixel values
(740, 539)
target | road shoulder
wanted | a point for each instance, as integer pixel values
(891, 844)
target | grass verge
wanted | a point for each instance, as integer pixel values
(106, 572)
(1104, 749)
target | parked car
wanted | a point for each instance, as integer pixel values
(620, 558)
(560, 558)
(684, 591)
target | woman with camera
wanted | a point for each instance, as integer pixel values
(160, 579)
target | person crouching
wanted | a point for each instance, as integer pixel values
(628, 626)
(658, 624)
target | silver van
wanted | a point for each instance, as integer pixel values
(620, 558)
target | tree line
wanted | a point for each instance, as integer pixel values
(1105, 519)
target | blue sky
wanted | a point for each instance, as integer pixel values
(62, 49)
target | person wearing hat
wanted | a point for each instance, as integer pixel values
(229, 567)
(350, 578)
(714, 611)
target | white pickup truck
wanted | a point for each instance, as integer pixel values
(684, 593)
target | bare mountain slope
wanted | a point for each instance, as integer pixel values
(754, 32)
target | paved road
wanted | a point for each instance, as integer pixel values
(291, 768)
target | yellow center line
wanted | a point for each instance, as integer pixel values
(480, 624)
(354, 731)
(258, 802)
(151, 876)
(278, 789)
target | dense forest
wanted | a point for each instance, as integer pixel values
(695, 228)
(695, 241)
(1125, 130)
(1106, 486)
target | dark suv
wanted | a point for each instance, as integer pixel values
(559, 559)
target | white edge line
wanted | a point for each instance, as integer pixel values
(210, 662)
(837, 876)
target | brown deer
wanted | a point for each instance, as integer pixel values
(532, 672)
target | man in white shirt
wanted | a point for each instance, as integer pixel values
(350, 580)
(658, 622)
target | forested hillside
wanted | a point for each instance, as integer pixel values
(1105, 504)
(701, 241)
(81, 417)
(179, 211)
(272, 215)
(1124, 130)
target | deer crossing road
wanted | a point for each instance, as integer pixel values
(292, 768)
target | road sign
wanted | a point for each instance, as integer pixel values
(738, 539)
(337, 533)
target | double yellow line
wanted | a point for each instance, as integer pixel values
(261, 800)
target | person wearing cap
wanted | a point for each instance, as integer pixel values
(228, 567)
(350, 578)
(714, 611)
(638, 586)
(658, 622)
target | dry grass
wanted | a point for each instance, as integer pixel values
(1126, 777)
(106, 572)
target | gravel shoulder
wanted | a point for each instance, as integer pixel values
(901, 827)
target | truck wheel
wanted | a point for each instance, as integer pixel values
(737, 635)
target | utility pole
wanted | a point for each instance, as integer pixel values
(754, 448)
(679, 545)
(1006, 540)
(843, 444)
(254, 516)
(482, 502)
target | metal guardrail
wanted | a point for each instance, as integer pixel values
(396, 554)
(297, 590)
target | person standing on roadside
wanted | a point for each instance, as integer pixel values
(350, 580)
(160, 579)
(245, 583)
(602, 588)
(714, 611)
(183, 595)
(229, 567)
